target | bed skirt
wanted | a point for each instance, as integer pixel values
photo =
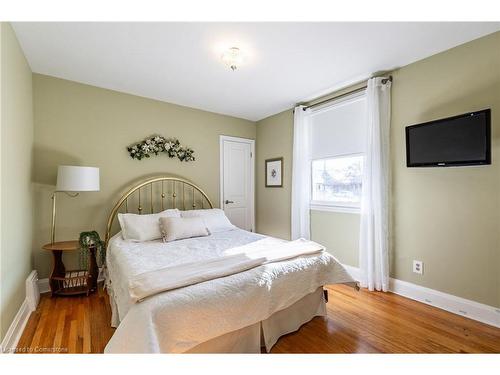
(263, 334)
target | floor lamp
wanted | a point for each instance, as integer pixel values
(73, 179)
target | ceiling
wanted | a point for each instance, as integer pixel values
(285, 63)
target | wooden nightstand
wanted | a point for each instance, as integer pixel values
(63, 282)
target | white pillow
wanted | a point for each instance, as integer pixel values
(215, 219)
(178, 228)
(144, 227)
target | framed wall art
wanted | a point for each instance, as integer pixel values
(274, 172)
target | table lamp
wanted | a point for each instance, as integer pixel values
(73, 179)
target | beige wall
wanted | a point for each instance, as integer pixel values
(339, 233)
(274, 139)
(16, 171)
(448, 218)
(85, 125)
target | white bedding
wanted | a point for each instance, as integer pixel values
(236, 260)
(178, 320)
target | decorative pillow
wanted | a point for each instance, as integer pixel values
(215, 219)
(143, 227)
(178, 228)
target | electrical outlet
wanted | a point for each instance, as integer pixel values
(418, 267)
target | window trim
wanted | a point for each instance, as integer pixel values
(315, 206)
(334, 206)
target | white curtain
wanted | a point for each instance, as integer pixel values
(301, 174)
(374, 227)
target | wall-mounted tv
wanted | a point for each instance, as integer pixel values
(454, 141)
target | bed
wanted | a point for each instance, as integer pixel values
(232, 312)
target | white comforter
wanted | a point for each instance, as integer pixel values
(178, 320)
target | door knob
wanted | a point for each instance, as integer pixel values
(227, 202)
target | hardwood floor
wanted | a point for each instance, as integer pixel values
(357, 322)
(73, 324)
(364, 322)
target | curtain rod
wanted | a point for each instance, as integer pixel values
(384, 81)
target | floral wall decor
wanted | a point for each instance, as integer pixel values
(157, 144)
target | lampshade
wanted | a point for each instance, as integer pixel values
(72, 178)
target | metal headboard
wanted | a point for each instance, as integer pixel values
(171, 192)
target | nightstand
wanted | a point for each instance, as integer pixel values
(63, 282)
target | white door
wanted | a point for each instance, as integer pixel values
(237, 181)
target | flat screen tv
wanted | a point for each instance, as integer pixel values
(454, 141)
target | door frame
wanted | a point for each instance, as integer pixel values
(251, 142)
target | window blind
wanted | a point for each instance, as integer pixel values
(339, 128)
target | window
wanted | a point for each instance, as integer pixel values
(337, 181)
(337, 148)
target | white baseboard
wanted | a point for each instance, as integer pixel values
(9, 342)
(30, 303)
(457, 305)
(353, 271)
(43, 285)
(32, 292)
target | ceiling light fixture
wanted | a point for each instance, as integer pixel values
(232, 57)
